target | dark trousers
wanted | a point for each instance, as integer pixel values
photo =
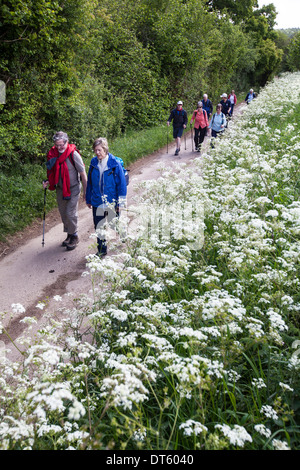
(99, 217)
(199, 136)
(214, 135)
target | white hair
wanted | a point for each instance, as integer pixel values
(60, 136)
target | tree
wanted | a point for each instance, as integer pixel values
(293, 56)
(46, 50)
(260, 30)
(237, 10)
(282, 41)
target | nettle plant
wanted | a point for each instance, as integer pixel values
(187, 337)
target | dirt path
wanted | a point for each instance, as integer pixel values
(30, 273)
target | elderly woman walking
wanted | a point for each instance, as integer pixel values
(233, 100)
(106, 190)
(200, 126)
(217, 123)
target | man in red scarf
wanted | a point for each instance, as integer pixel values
(64, 169)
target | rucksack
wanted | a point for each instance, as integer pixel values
(126, 174)
(203, 111)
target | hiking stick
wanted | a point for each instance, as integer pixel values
(185, 141)
(192, 138)
(168, 139)
(44, 218)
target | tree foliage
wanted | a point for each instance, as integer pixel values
(238, 10)
(93, 67)
(293, 56)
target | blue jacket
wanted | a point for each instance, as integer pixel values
(217, 121)
(248, 96)
(207, 105)
(112, 185)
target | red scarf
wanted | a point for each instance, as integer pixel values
(60, 164)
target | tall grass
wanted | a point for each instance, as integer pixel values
(181, 346)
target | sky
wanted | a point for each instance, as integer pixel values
(288, 12)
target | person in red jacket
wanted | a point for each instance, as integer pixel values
(233, 100)
(65, 168)
(200, 126)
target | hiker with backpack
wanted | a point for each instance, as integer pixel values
(250, 96)
(207, 105)
(65, 169)
(226, 105)
(200, 126)
(217, 123)
(106, 189)
(179, 118)
(233, 100)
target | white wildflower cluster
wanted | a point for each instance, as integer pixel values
(258, 383)
(269, 412)
(125, 385)
(262, 430)
(280, 445)
(205, 284)
(237, 435)
(191, 427)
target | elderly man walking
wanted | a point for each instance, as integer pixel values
(207, 105)
(65, 168)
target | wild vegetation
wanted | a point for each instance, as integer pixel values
(185, 341)
(189, 338)
(109, 68)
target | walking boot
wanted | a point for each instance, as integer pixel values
(66, 241)
(73, 242)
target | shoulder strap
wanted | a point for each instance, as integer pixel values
(72, 160)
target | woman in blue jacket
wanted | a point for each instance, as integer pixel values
(217, 124)
(106, 189)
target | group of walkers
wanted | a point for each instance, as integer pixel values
(204, 119)
(105, 186)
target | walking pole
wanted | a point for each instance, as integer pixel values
(192, 138)
(44, 218)
(185, 140)
(167, 139)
